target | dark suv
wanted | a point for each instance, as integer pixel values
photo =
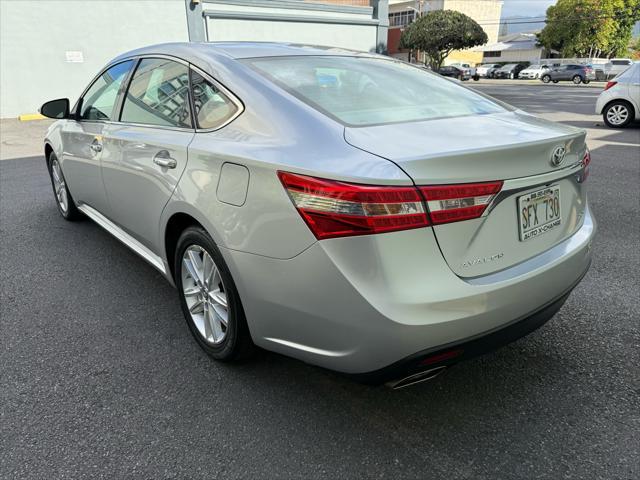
(510, 70)
(575, 73)
(453, 72)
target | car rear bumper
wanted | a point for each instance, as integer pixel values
(362, 304)
(444, 356)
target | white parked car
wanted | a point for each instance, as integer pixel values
(533, 71)
(619, 102)
(486, 69)
(616, 66)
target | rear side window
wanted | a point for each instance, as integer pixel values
(620, 62)
(212, 107)
(158, 94)
(361, 91)
(99, 101)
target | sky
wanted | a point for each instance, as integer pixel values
(525, 8)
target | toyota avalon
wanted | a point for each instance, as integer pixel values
(342, 208)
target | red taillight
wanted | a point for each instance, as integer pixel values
(339, 209)
(586, 160)
(609, 85)
(453, 203)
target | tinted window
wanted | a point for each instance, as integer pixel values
(158, 94)
(99, 101)
(212, 107)
(620, 62)
(368, 91)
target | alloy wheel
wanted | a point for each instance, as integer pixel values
(205, 294)
(59, 186)
(617, 114)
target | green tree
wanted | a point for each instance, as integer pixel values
(590, 28)
(439, 32)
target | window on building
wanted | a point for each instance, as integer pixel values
(158, 94)
(401, 19)
(492, 54)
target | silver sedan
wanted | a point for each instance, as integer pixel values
(345, 209)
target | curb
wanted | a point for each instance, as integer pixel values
(27, 117)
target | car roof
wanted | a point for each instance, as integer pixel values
(194, 51)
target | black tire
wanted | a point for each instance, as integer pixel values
(555, 81)
(620, 104)
(237, 344)
(546, 78)
(586, 81)
(577, 79)
(476, 78)
(71, 213)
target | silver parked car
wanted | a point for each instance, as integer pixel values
(343, 208)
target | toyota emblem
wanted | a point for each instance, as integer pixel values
(557, 157)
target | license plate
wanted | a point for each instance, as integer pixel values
(539, 212)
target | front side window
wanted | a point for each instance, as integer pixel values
(99, 101)
(158, 94)
(212, 107)
(361, 91)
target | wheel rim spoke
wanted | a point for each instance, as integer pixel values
(218, 297)
(197, 307)
(215, 324)
(221, 314)
(191, 291)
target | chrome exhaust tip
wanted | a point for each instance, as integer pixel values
(416, 378)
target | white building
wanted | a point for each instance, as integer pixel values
(515, 48)
(52, 49)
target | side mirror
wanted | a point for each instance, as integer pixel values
(57, 109)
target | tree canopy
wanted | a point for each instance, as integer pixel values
(590, 28)
(439, 32)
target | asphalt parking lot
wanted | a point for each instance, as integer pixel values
(100, 377)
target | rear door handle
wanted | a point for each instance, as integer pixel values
(163, 158)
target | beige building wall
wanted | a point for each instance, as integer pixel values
(487, 13)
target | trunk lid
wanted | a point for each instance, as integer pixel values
(513, 147)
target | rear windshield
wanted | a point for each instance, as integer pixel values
(364, 91)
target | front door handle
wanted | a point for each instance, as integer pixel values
(96, 146)
(163, 158)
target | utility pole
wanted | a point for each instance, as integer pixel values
(419, 14)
